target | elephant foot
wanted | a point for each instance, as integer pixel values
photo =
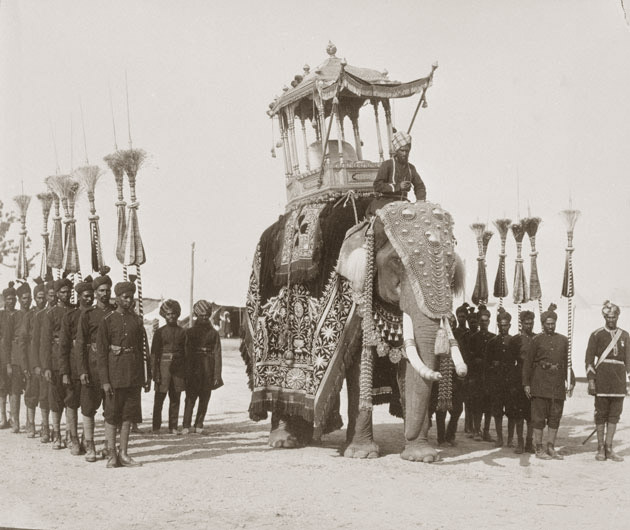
(290, 433)
(420, 453)
(362, 450)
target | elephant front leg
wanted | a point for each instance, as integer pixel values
(359, 436)
(417, 395)
(281, 434)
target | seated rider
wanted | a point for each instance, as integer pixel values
(397, 176)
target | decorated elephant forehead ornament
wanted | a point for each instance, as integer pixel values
(422, 236)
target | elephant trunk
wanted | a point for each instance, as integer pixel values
(411, 350)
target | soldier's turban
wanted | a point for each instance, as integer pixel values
(23, 288)
(462, 309)
(63, 282)
(610, 309)
(550, 313)
(9, 291)
(124, 287)
(40, 286)
(85, 285)
(170, 306)
(400, 139)
(202, 307)
(101, 280)
(483, 311)
(49, 285)
(527, 315)
(502, 314)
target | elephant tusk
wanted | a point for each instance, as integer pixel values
(461, 369)
(412, 352)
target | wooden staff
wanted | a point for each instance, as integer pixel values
(46, 200)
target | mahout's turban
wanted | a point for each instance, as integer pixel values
(170, 305)
(400, 139)
(202, 307)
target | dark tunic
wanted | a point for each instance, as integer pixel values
(477, 365)
(610, 375)
(500, 367)
(28, 357)
(36, 336)
(519, 403)
(119, 344)
(7, 319)
(71, 362)
(390, 176)
(545, 368)
(203, 357)
(167, 349)
(50, 337)
(87, 330)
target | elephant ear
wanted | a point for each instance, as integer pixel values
(352, 263)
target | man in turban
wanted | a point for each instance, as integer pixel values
(167, 349)
(91, 389)
(9, 296)
(397, 176)
(203, 365)
(500, 364)
(16, 366)
(607, 362)
(30, 356)
(519, 405)
(546, 383)
(50, 356)
(119, 343)
(70, 369)
(462, 335)
(477, 367)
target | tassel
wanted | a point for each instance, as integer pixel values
(58, 184)
(531, 227)
(21, 268)
(521, 293)
(480, 292)
(89, 176)
(500, 282)
(116, 164)
(46, 200)
(568, 290)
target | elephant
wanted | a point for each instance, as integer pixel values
(382, 310)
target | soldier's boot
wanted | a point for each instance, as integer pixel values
(56, 437)
(519, 437)
(540, 452)
(551, 450)
(135, 429)
(30, 422)
(529, 445)
(601, 448)
(110, 440)
(4, 424)
(45, 429)
(610, 434)
(511, 427)
(498, 424)
(14, 403)
(125, 459)
(90, 453)
(72, 422)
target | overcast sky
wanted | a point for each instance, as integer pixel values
(536, 89)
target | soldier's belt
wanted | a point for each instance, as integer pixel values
(205, 351)
(549, 366)
(119, 350)
(169, 355)
(613, 361)
(93, 346)
(55, 340)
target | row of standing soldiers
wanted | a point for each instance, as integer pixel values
(65, 356)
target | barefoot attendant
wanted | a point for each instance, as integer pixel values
(607, 363)
(167, 350)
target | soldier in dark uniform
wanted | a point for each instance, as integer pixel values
(167, 349)
(70, 369)
(91, 388)
(30, 357)
(500, 365)
(607, 362)
(519, 405)
(545, 382)
(6, 315)
(462, 335)
(203, 366)
(15, 365)
(50, 355)
(480, 398)
(119, 345)
(38, 360)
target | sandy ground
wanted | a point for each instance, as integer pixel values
(230, 478)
